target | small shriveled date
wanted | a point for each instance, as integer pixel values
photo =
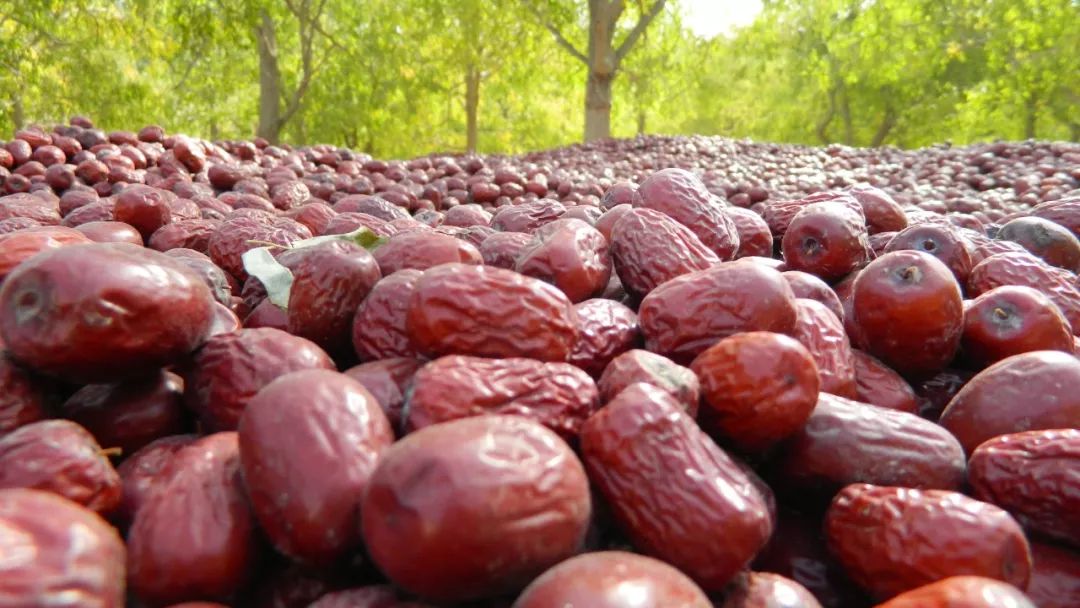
(475, 507)
(1033, 475)
(676, 494)
(489, 312)
(557, 395)
(893, 539)
(643, 366)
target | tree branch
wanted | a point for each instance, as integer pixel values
(563, 42)
(643, 22)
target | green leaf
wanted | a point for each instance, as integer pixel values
(277, 279)
(361, 236)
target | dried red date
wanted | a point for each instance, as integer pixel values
(806, 285)
(231, 368)
(60, 456)
(687, 315)
(764, 590)
(677, 495)
(681, 196)
(643, 366)
(1022, 268)
(569, 254)
(387, 380)
(142, 471)
(909, 311)
(605, 329)
(877, 384)
(892, 540)
(846, 442)
(309, 442)
(939, 240)
(557, 395)
(1032, 475)
(603, 580)
(143, 207)
(527, 217)
(23, 399)
(129, 415)
(1025, 392)
(57, 554)
(822, 333)
(757, 388)
(236, 236)
(110, 232)
(503, 248)
(489, 312)
(16, 247)
(755, 238)
(1010, 320)
(423, 250)
(826, 239)
(649, 248)
(379, 328)
(1055, 581)
(475, 507)
(194, 535)
(60, 314)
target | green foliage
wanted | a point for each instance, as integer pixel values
(390, 76)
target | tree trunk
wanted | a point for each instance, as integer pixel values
(603, 15)
(845, 115)
(18, 114)
(641, 122)
(822, 128)
(886, 126)
(1031, 117)
(269, 81)
(472, 105)
(1074, 131)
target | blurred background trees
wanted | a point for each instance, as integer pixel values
(407, 77)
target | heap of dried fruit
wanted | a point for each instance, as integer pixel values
(237, 374)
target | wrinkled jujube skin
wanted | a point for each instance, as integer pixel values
(267, 314)
(757, 389)
(1052, 242)
(527, 217)
(1055, 579)
(111, 232)
(309, 442)
(316, 216)
(612, 579)
(489, 312)
(144, 207)
(23, 399)
(681, 196)
(1022, 268)
(330, 280)
(60, 456)
(231, 368)
(893, 539)
(605, 330)
(387, 380)
(61, 315)
(57, 553)
(845, 442)
(569, 254)
(766, 590)
(503, 248)
(557, 395)
(214, 277)
(877, 384)
(798, 551)
(194, 536)
(423, 250)
(17, 247)
(755, 238)
(909, 311)
(475, 507)
(1026, 392)
(1010, 320)
(808, 286)
(883, 214)
(1065, 212)
(130, 414)
(379, 327)
(640, 365)
(822, 333)
(606, 222)
(675, 493)
(689, 314)
(960, 591)
(374, 596)
(649, 248)
(236, 236)
(142, 471)
(1033, 476)
(827, 240)
(189, 234)
(620, 193)
(939, 240)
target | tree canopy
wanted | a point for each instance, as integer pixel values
(408, 77)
